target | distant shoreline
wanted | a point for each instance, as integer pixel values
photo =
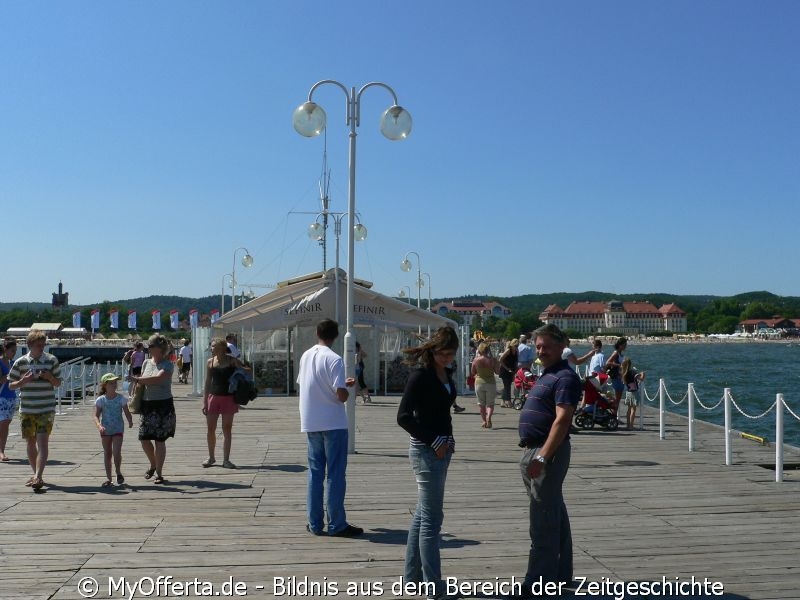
(633, 341)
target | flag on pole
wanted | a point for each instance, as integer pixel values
(114, 316)
(214, 316)
(193, 318)
(156, 319)
(95, 318)
(76, 319)
(173, 319)
(131, 319)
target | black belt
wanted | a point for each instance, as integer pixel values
(529, 443)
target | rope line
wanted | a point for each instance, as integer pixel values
(744, 414)
(791, 412)
(721, 400)
(685, 395)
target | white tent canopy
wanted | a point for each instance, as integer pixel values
(305, 301)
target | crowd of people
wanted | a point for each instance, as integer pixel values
(424, 413)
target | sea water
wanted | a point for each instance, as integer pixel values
(754, 371)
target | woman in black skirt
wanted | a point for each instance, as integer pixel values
(157, 418)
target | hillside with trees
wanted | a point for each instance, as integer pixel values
(705, 314)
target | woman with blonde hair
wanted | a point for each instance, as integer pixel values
(424, 413)
(157, 416)
(218, 400)
(484, 368)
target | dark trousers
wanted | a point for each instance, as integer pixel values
(551, 538)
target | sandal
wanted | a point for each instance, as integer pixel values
(120, 479)
(37, 483)
(208, 462)
(29, 483)
(107, 483)
(228, 465)
(149, 473)
(158, 480)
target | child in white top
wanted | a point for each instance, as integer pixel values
(108, 411)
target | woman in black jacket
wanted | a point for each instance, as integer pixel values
(425, 414)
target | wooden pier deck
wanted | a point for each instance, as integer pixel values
(641, 509)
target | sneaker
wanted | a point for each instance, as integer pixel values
(458, 409)
(348, 531)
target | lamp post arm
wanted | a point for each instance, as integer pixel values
(351, 118)
(361, 91)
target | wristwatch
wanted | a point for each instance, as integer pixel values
(540, 458)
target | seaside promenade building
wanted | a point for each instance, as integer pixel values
(628, 318)
(470, 309)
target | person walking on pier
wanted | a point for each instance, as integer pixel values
(186, 361)
(613, 369)
(157, 423)
(8, 397)
(544, 434)
(109, 408)
(218, 400)
(484, 369)
(424, 412)
(36, 375)
(323, 394)
(508, 366)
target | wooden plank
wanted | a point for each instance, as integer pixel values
(640, 508)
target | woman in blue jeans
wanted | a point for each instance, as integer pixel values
(425, 414)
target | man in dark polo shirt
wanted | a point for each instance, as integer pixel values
(544, 433)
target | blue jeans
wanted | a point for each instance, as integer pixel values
(423, 562)
(326, 449)
(551, 538)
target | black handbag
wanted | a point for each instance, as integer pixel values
(245, 391)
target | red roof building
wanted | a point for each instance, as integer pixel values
(630, 318)
(470, 309)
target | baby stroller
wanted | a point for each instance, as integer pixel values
(523, 382)
(596, 407)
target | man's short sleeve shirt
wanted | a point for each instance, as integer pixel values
(320, 374)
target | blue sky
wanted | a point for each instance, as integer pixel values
(557, 146)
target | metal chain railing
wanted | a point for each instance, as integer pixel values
(721, 400)
(754, 417)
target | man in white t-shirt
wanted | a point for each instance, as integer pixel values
(186, 362)
(232, 349)
(323, 392)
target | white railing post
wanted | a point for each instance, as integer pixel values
(58, 399)
(71, 386)
(728, 449)
(83, 387)
(661, 394)
(690, 395)
(779, 438)
(641, 399)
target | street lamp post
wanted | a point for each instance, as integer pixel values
(222, 294)
(402, 293)
(428, 275)
(309, 121)
(247, 262)
(406, 266)
(317, 232)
